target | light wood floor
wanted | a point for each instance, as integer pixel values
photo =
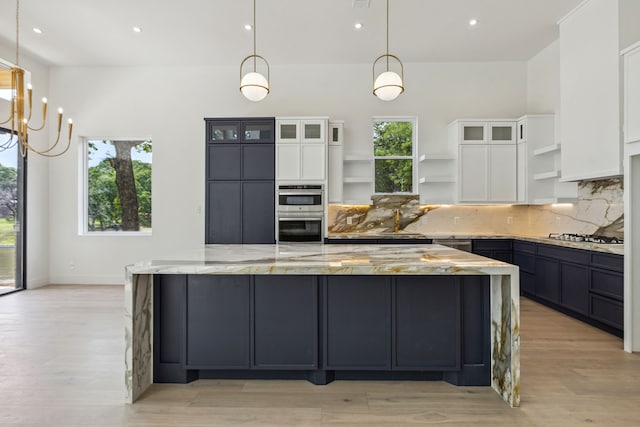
(61, 364)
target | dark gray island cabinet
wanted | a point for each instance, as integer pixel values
(322, 327)
(323, 313)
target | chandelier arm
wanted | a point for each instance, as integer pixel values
(46, 153)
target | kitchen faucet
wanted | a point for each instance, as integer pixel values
(396, 225)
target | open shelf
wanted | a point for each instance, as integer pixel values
(546, 175)
(357, 158)
(546, 149)
(436, 156)
(357, 179)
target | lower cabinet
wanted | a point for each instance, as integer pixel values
(574, 293)
(357, 322)
(419, 304)
(322, 327)
(548, 279)
(499, 249)
(285, 318)
(587, 285)
(218, 322)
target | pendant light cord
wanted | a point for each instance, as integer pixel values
(387, 35)
(254, 36)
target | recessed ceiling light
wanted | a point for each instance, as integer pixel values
(247, 27)
(137, 29)
(473, 22)
(37, 30)
(357, 25)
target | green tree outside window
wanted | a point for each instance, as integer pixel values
(393, 156)
(119, 185)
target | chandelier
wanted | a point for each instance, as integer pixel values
(12, 77)
(388, 85)
(253, 85)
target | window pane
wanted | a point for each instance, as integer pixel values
(393, 176)
(392, 139)
(118, 185)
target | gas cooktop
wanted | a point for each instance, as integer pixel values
(590, 238)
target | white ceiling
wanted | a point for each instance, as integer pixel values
(211, 32)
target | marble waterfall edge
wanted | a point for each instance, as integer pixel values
(326, 260)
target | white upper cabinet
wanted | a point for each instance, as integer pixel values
(502, 132)
(487, 160)
(301, 149)
(287, 130)
(590, 117)
(632, 93)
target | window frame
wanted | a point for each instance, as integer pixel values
(413, 157)
(83, 189)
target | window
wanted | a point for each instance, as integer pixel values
(117, 190)
(394, 147)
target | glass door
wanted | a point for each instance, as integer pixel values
(12, 197)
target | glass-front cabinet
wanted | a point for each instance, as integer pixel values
(502, 132)
(258, 131)
(223, 131)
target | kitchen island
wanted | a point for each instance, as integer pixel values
(433, 313)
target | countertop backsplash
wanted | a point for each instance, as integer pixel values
(598, 210)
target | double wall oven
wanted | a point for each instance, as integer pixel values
(300, 213)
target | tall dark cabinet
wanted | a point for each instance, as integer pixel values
(240, 168)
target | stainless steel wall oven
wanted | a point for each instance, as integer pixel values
(300, 213)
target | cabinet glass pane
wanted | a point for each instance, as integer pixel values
(224, 132)
(335, 134)
(501, 133)
(473, 133)
(312, 131)
(258, 131)
(288, 131)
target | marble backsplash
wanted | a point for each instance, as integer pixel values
(598, 210)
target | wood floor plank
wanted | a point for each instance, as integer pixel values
(61, 364)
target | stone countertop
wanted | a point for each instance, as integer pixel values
(319, 259)
(617, 249)
(314, 258)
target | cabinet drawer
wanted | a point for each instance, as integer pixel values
(520, 246)
(608, 261)
(526, 262)
(607, 311)
(607, 283)
(564, 254)
(492, 244)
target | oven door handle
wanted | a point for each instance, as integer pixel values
(306, 193)
(300, 218)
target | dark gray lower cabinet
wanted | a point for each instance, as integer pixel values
(575, 287)
(548, 279)
(587, 285)
(285, 322)
(322, 327)
(500, 249)
(218, 322)
(357, 333)
(427, 313)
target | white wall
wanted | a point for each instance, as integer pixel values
(543, 81)
(169, 103)
(37, 176)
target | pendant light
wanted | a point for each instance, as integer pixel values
(253, 85)
(388, 85)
